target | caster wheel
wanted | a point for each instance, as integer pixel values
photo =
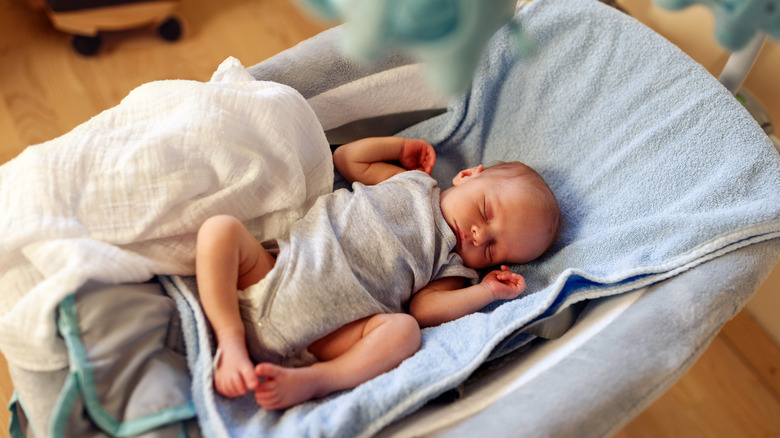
(86, 45)
(170, 30)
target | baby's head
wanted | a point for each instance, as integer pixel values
(501, 214)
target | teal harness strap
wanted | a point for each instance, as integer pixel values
(15, 426)
(80, 384)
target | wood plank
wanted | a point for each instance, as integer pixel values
(6, 390)
(8, 135)
(48, 88)
(718, 397)
(756, 349)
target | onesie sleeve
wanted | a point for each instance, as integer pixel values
(454, 267)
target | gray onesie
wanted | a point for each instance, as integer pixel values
(355, 253)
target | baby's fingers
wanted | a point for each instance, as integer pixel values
(505, 273)
(508, 277)
(515, 281)
(429, 160)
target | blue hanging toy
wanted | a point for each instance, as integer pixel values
(736, 21)
(448, 36)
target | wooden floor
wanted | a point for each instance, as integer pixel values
(46, 89)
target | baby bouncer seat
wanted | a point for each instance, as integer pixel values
(668, 190)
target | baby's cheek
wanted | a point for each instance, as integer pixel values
(473, 260)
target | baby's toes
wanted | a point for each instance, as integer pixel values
(267, 400)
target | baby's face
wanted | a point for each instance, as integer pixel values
(495, 221)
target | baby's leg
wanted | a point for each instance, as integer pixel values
(351, 355)
(229, 258)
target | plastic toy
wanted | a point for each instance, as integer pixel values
(446, 35)
(85, 19)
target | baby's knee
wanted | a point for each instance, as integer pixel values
(408, 323)
(220, 223)
(407, 330)
(218, 228)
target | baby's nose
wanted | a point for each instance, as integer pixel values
(477, 235)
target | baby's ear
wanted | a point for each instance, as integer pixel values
(465, 174)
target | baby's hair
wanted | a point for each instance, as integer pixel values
(515, 171)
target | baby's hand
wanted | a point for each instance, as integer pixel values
(417, 155)
(504, 284)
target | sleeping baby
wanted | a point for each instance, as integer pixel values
(343, 299)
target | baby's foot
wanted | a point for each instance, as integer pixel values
(280, 387)
(235, 373)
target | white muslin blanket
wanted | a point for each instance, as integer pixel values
(120, 198)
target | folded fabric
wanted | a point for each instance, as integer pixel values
(656, 166)
(120, 198)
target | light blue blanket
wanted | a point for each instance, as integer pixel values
(656, 167)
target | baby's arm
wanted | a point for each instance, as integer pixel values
(373, 160)
(446, 299)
